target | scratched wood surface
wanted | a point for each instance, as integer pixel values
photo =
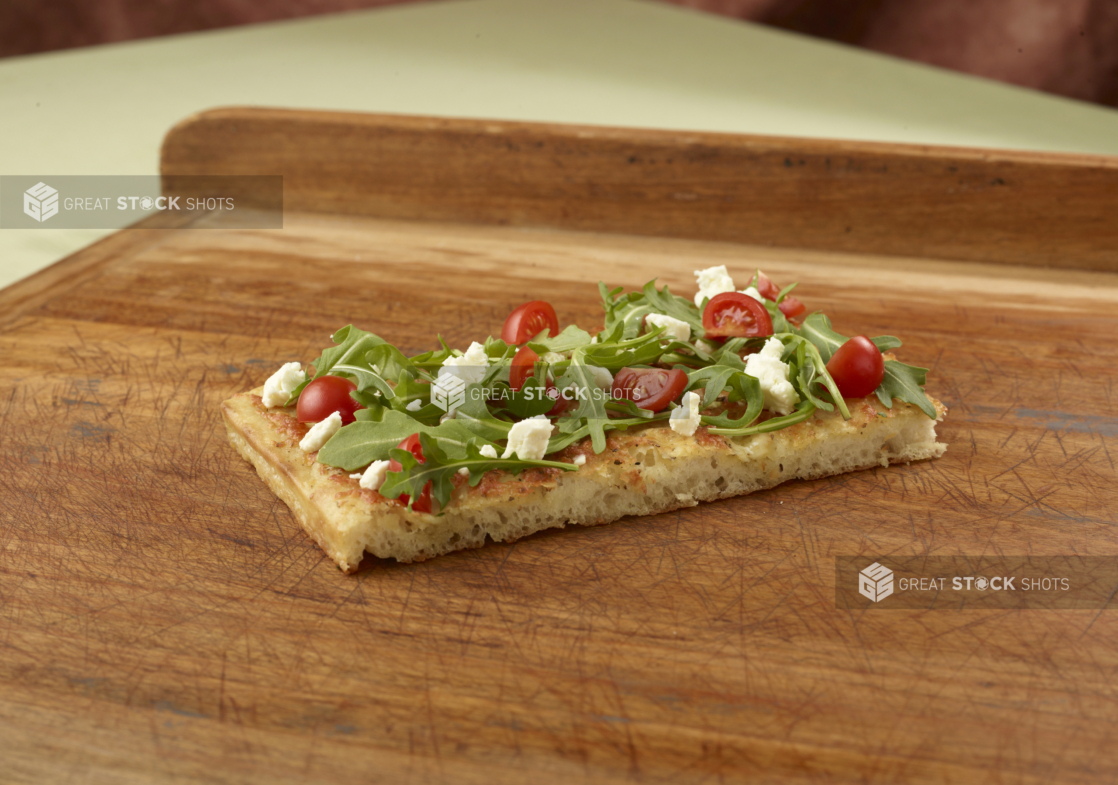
(164, 619)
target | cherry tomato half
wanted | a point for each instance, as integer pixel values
(857, 367)
(767, 288)
(791, 307)
(327, 395)
(412, 445)
(649, 388)
(528, 321)
(735, 315)
(522, 366)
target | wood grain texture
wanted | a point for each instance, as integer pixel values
(164, 619)
(938, 202)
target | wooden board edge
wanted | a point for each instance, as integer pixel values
(1003, 206)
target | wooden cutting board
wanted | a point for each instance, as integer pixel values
(164, 619)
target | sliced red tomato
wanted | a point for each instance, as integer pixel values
(766, 287)
(412, 445)
(857, 367)
(327, 395)
(562, 405)
(528, 321)
(792, 308)
(736, 315)
(522, 366)
(649, 388)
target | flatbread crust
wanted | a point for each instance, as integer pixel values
(643, 471)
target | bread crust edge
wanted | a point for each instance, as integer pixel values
(641, 473)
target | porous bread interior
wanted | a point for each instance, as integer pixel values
(655, 471)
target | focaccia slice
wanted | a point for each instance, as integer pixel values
(643, 471)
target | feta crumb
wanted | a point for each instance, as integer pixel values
(580, 460)
(467, 369)
(553, 357)
(686, 419)
(373, 477)
(712, 281)
(464, 471)
(528, 438)
(756, 295)
(703, 346)
(780, 396)
(321, 432)
(594, 339)
(489, 451)
(675, 329)
(414, 406)
(602, 377)
(470, 367)
(280, 385)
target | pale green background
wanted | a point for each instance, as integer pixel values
(104, 110)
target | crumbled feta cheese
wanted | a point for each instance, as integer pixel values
(712, 281)
(470, 367)
(780, 396)
(528, 438)
(458, 372)
(464, 471)
(756, 295)
(373, 477)
(553, 357)
(686, 419)
(414, 406)
(602, 377)
(674, 329)
(321, 432)
(280, 385)
(594, 339)
(580, 460)
(489, 451)
(703, 346)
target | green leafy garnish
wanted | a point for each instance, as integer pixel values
(396, 390)
(439, 468)
(902, 382)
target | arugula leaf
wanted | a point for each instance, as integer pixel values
(905, 382)
(629, 309)
(529, 400)
(366, 440)
(743, 388)
(714, 378)
(352, 345)
(787, 290)
(803, 373)
(563, 439)
(474, 415)
(819, 376)
(591, 401)
(571, 338)
(803, 411)
(365, 378)
(886, 342)
(440, 468)
(902, 382)
(663, 301)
